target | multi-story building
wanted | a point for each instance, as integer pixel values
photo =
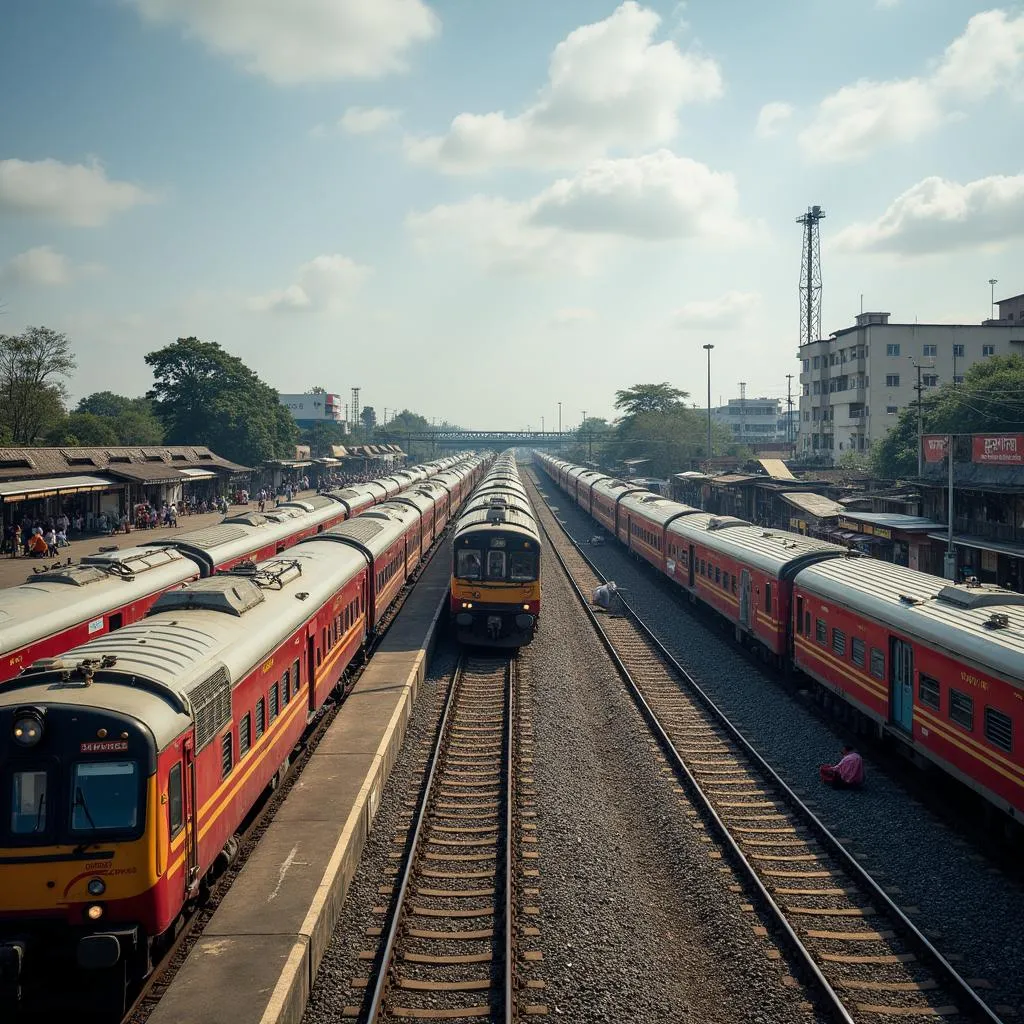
(753, 420)
(854, 383)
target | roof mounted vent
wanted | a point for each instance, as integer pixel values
(723, 522)
(233, 594)
(908, 599)
(997, 620)
(978, 596)
(495, 515)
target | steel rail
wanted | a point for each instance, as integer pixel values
(948, 974)
(510, 707)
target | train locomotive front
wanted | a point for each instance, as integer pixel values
(495, 587)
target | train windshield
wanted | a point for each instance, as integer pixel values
(495, 565)
(28, 801)
(468, 564)
(522, 566)
(105, 795)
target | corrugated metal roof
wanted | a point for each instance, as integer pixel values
(777, 469)
(813, 504)
(894, 521)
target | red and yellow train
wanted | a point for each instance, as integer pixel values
(935, 666)
(128, 764)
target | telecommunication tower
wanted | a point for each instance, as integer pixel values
(355, 407)
(810, 276)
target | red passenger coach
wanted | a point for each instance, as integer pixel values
(605, 496)
(643, 517)
(938, 666)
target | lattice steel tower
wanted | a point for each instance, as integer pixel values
(810, 276)
(355, 407)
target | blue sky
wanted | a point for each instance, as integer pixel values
(478, 210)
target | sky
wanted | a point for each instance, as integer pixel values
(478, 210)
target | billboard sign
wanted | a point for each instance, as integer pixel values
(998, 449)
(934, 447)
(313, 407)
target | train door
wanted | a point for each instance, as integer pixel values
(901, 684)
(190, 811)
(310, 662)
(692, 561)
(745, 598)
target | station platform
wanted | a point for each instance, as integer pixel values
(257, 958)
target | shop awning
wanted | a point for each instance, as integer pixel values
(197, 474)
(47, 487)
(968, 540)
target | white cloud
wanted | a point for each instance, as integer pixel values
(77, 194)
(942, 216)
(42, 265)
(772, 117)
(572, 317)
(303, 40)
(858, 118)
(609, 86)
(366, 120)
(324, 284)
(573, 223)
(729, 310)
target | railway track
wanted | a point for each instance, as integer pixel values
(859, 954)
(449, 947)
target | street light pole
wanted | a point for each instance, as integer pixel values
(708, 348)
(559, 419)
(992, 282)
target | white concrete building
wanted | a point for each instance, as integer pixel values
(854, 383)
(754, 420)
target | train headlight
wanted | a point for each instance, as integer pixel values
(95, 912)
(28, 729)
(97, 887)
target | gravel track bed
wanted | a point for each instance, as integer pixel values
(969, 908)
(341, 964)
(636, 920)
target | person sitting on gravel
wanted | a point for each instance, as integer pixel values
(847, 774)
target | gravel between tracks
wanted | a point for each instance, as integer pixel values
(636, 920)
(341, 965)
(969, 908)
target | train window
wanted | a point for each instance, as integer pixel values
(468, 564)
(768, 598)
(857, 651)
(286, 689)
(718, 574)
(998, 729)
(273, 702)
(839, 642)
(734, 591)
(323, 644)
(807, 623)
(799, 614)
(296, 678)
(522, 565)
(928, 690)
(244, 735)
(261, 717)
(106, 795)
(702, 566)
(961, 709)
(175, 800)
(495, 565)
(226, 753)
(877, 663)
(821, 631)
(28, 802)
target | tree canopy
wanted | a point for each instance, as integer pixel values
(204, 395)
(991, 398)
(33, 368)
(641, 398)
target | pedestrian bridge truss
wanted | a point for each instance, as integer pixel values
(493, 439)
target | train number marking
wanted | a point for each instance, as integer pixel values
(267, 665)
(95, 626)
(975, 681)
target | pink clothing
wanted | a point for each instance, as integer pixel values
(851, 769)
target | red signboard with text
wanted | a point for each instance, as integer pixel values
(934, 447)
(998, 449)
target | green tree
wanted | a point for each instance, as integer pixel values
(672, 440)
(85, 429)
(104, 403)
(33, 368)
(204, 395)
(641, 398)
(990, 399)
(132, 419)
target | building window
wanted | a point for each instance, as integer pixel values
(958, 351)
(877, 663)
(891, 410)
(998, 729)
(928, 691)
(807, 365)
(929, 350)
(892, 380)
(857, 651)
(988, 350)
(961, 709)
(892, 350)
(958, 378)
(817, 362)
(930, 380)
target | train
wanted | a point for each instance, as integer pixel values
(495, 587)
(63, 606)
(936, 667)
(128, 763)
